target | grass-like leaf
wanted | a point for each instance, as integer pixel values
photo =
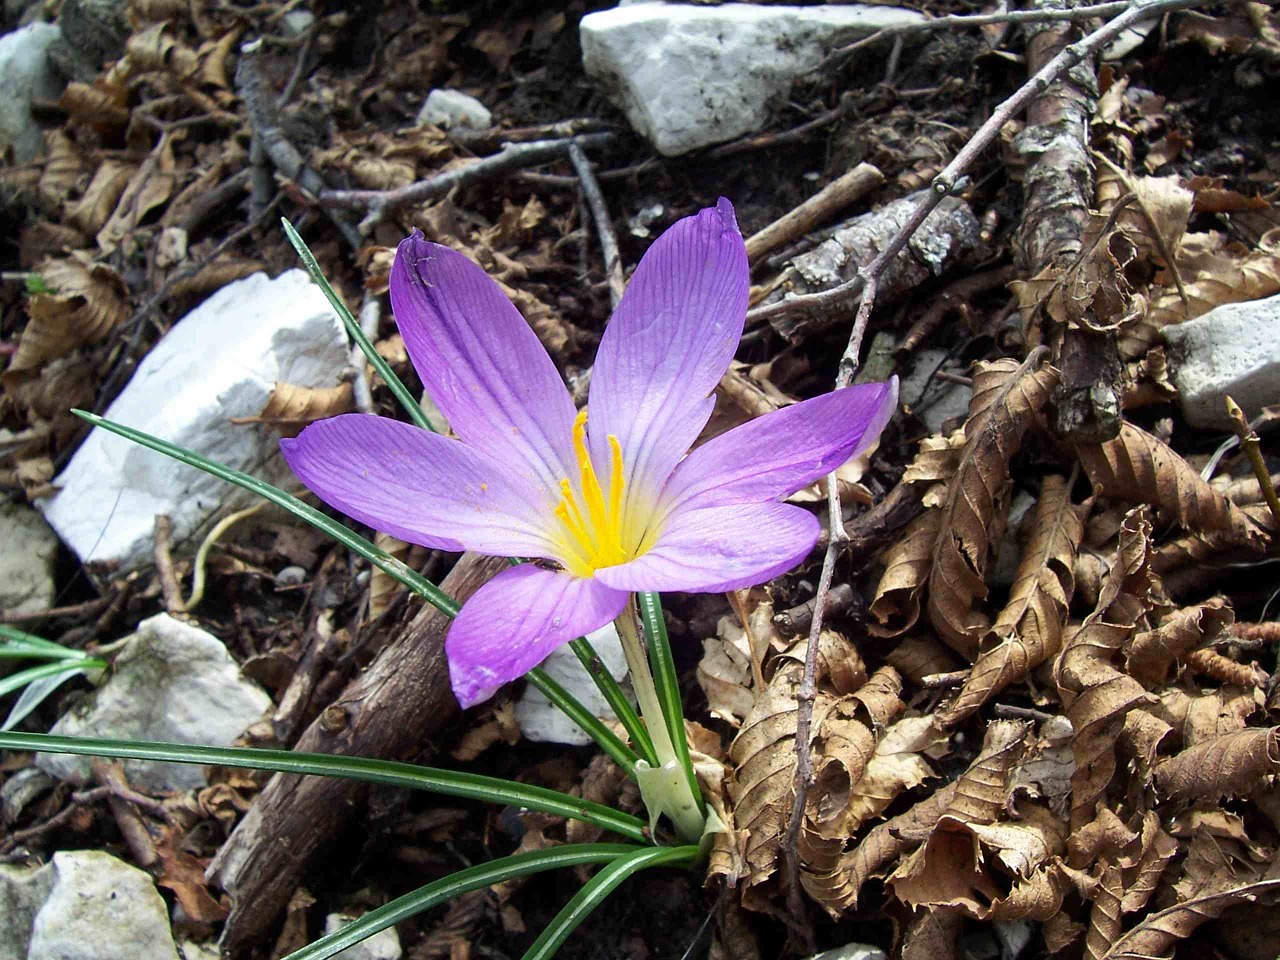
(616, 698)
(450, 783)
(355, 331)
(456, 884)
(16, 681)
(572, 708)
(667, 682)
(600, 886)
(349, 539)
(16, 645)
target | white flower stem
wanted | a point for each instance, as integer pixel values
(676, 797)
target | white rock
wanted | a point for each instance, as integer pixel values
(383, 945)
(171, 681)
(100, 908)
(544, 723)
(26, 562)
(218, 362)
(453, 108)
(298, 22)
(852, 951)
(190, 950)
(1231, 350)
(22, 891)
(26, 75)
(689, 76)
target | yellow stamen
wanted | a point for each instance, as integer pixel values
(592, 529)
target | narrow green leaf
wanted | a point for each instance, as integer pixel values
(616, 698)
(16, 681)
(597, 888)
(354, 330)
(451, 783)
(667, 682)
(353, 541)
(473, 878)
(572, 708)
(16, 645)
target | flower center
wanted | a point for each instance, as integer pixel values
(593, 530)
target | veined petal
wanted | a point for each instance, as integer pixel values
(515, 620)
(667, 347)
(777, 454)
(481, 363)
(418, 486)
(715, 549)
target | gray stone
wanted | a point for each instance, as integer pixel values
(22, 891)
(1233, 350)
(28, 784)
(689, 76)
(540, 721)
(453, 108)
(190, 950)
(383, 945)
(298, 22)
(171, 681)
(219, 362)
(100, 908)
(27, 559)
(26, 75)
(851, 951)
(934, 401)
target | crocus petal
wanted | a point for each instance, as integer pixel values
(777, 454)
(481, 363)
(715, 549)
(417, 486)
(515, 620)
(667, 347)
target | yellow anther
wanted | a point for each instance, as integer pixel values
(591, 527)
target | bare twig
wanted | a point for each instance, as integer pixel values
(865, 283)
(604, 225)
(1252, 447)
(796, 619)
(823, 205)
(945, 182)
(169, 585)
(496, 137)
(264, 119)
(959, 22)
(88, 608)
(379, 203)
(127, 818)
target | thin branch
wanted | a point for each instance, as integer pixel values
(960, 22)
(945, 182)
(604, 225)
(865, 283)
(380, 203)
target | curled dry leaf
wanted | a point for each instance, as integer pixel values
(153, 50)
(1231, 765)
(1028, 631)
(91, 211)
(1200, 717)
(899, 764)
(1045, 771)
(382, 586)
(1150, 653)
(724, 672)
(1155, 934)
(948, 547)
(150, 186)
(1136, 466)
(949, 869)
(87, 301)
(293, 406)
(919, 656)
(1096, 693)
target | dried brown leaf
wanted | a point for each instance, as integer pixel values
(1096, 693)
(88, 300)
(290, 405)
(1028, 631)
(1155, 934)
(899, 764)
(896, 606)
(920, 656)
(1136, 466)
(1149, 654)
(91, 211)
(1234, 764)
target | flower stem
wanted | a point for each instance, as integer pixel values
(673, 795)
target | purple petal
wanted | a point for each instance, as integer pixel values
(667, 347)
(481, 363)
(417, 486)
(777, 454)
(515, 620)
(715, 549)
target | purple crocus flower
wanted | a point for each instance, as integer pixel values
(606, 494)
